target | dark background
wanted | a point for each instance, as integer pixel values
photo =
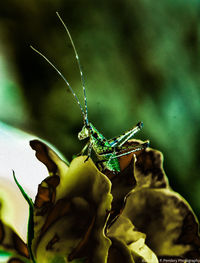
(141, 61)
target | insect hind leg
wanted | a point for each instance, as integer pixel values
(135, 149)
(120, 140)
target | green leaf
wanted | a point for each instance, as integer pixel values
(167, 220)
(58, 259)
(127, 240)
(71, 209)
(30, 232)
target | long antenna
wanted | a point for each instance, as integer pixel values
(84, 116)
(79, 65)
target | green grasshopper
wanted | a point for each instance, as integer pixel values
(106, 151)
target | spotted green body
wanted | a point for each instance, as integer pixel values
(107, 151)
(103, 148)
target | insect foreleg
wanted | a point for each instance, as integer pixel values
(89, 151)
(84, 148)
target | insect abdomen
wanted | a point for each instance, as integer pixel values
(113, 165)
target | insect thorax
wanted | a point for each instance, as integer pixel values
(98, 141)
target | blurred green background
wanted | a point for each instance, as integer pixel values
(141, 61)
